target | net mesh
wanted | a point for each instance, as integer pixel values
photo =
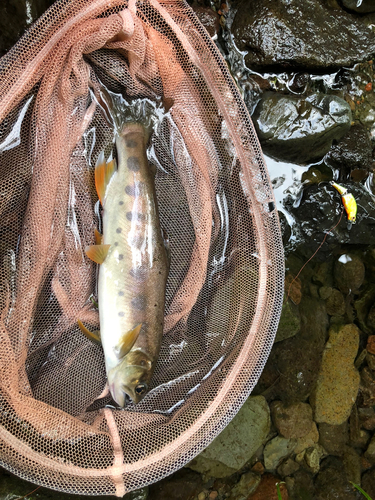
(225, 284)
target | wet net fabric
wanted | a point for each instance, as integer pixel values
(225, 285)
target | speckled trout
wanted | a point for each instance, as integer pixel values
(133, 267)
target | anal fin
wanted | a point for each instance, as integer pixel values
(127, 341)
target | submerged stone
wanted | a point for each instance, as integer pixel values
(276, 450)
(308, 35)
(300, 129)
(238, 442)
(333, 402)
(362, 6)
(349, 273)
(292, 421)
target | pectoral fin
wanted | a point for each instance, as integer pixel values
(97, 253)
(127, 341)
(103, 174)
(94, 336)
(98, 237)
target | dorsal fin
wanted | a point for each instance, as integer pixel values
(103, 174)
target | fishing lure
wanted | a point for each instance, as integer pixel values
(348, 201)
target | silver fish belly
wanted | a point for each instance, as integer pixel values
(132, 278)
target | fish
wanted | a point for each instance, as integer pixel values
(134, 265)
(348, 201)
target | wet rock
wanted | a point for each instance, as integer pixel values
(290, 322)
(313, 456)
(15, 17)
(184, 484)
(354, 151)
(293, 366)
(307, 441)
(333, 402)
(307, 35)
(349, 273)
(370, 452)
(247, 484)
(352, 465)
(300, 129)
(292, 421)
(331, 482)
(368, 482)
(334, 438)
(267, 489)
(335, 303)
(238, 442)
(362, 7)
(209, 19)
(276, 450)
(287, 468)
(293, 288)
(301, 486)
(364, 307)
(367, 387)
(320, 209)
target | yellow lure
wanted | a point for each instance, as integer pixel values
(348, 201)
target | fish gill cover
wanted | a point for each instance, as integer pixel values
(59, 426)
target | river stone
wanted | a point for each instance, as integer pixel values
(362, 6)
(308, 440)
(300, 129)
(276, 450)
(292, 421)
(320, 209)
(290, 322)
(370, 452)
(238, 442)
(349, 273)
(267, 489)
(335, 303)
(247, 484)
(308, 35)
(354, 151)
(333, 402)
(332, 483)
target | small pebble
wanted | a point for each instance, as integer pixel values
(202, 495)
(213, 495)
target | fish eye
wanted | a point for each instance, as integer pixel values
(141, 389)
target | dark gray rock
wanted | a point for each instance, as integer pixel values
(15, 17)
(332, 483)
(335, 303)
(349, 273)
(300, 35)
(368, 482)
(354, 151)
(320, 209)
(362, 6)
(334, 438)
(300, 129)
(302, 486)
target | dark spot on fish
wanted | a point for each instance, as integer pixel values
(155, 305)
(120, 202)
(118, 230)
(121, 314)
(139, 302)
(130, 190)
(139, 274)
(131, 143)
(116, 243)
(121, 294)
(137, 240)
(120, 257)
(133, 163)
(135, 216)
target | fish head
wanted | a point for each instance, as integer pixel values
(131, 377)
